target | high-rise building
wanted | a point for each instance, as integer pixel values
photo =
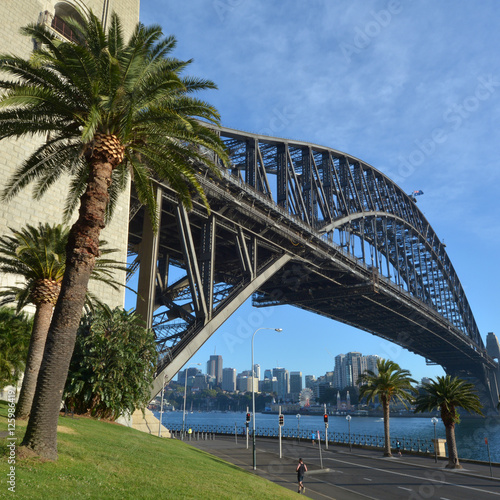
(229, 379)
(283, 379)
(353, 368)
(310, 381)
(268, 374)
(23, 209)
(256, 371)
(214, 368)
(371, 362)
(191, 372)
(349, 367)
(339, 374)
(244, 383)
(295, 385)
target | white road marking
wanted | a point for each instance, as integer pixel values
(406, 489)
(415, 477)
(367, 479)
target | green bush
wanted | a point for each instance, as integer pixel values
(113, 363)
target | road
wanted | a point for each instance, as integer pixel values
(359, 474)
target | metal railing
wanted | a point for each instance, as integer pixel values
(408, 444)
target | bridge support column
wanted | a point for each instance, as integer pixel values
(197, 339)
(148, 257)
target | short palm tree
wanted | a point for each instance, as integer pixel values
(15, 329)
(449, 393)
(102, 108)
(37, 255)
(388, 384)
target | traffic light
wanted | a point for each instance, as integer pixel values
(248, 417)
(325, 418)
(282, 419)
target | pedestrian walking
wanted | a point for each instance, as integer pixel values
(301, 470)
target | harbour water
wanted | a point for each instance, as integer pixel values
(470, 433)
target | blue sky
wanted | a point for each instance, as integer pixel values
(413, 88)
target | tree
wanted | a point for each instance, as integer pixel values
(113, 364)
(37, 256)
(449, 393)
(15, 331)
(102, 108)
(390, 383)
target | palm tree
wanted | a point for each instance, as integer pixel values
(449, 393)
(388, 384)
(37, 255)
(104, 107)
(15, 331)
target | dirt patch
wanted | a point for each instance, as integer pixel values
(24, 453)
(66, 430)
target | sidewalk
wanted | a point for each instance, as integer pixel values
(282, 471)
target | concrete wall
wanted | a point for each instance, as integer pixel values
(23, 208)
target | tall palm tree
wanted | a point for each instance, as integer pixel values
(390, 383)
(449, 393)
(37, 256)
(105, 107)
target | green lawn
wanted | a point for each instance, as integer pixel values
(108, 461)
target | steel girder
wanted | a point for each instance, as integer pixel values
(357, 250)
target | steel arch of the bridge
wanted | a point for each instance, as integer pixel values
(346, 231)
(352, 203)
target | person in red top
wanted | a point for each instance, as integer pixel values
(301, 470)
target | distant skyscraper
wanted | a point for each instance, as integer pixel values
(295, 385)
(191, 372)
(310, 381)
(371, 362)
(214, 368)
(256, 371)
(244, 383)
(268, 374)
(339, 371)
(353, 360)
(282, 376)
(229, 379)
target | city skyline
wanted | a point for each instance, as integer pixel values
(416, 96)
(346, 372)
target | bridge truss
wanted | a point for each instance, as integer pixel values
(301, 224)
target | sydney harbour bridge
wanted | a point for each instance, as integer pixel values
(305, 225)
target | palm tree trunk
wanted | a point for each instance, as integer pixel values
(453, 462)
(41, 324)
(387, 435)
(81, 252)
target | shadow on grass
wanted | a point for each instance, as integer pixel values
(218, 460)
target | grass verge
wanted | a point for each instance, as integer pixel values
(105, 460)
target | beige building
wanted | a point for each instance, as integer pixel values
(23, 208)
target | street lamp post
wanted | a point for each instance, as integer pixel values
(434, 420)
(185, 392)
(253, 396)
(348, 418)
(298, 426)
